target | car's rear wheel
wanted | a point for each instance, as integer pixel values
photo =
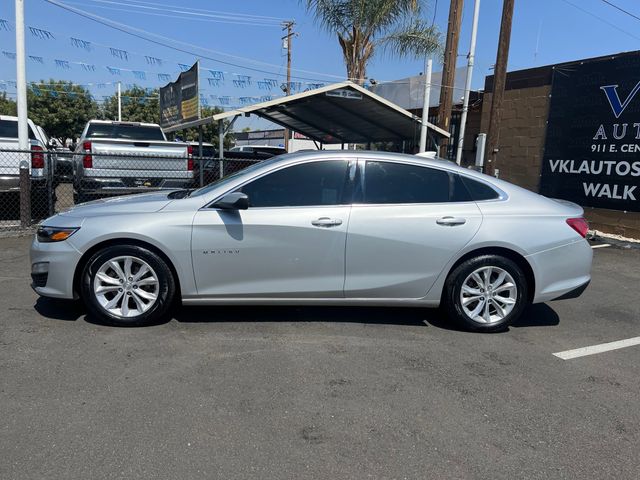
(128, 285)
(486, 293)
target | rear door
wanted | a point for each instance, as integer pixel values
(407, 223)
(289, 243)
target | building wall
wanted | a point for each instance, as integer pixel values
(522, 139)
(522, 134)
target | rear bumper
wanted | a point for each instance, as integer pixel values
(575, 293)
(561, 271)
(11, 183)
(116, 186)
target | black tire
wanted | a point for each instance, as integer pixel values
(166, 289)
(453, 286)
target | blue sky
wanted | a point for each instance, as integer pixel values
(544, 32)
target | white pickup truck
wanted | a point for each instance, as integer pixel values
(118, 158)
(38, 161)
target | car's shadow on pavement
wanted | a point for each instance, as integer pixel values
(54, 309)
(540, 315)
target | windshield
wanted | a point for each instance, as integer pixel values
(125, 131)
(229, 178)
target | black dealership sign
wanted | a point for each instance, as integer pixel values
(592, 150)
(179, 100)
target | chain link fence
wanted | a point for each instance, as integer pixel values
(36, 184)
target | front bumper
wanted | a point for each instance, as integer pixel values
(62, 259)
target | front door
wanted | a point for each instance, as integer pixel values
(289, 243)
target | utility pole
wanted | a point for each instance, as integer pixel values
(425, 104)
(449, 68)
(119, 102)
(21, 79)
(499, 80)
(467, 85)
(288, 26)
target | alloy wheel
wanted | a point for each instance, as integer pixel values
(126, 286)
(488, 295)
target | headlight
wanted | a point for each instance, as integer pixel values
(55, 234)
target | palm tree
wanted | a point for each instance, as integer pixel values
(362, 26)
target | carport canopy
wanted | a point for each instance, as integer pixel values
(339, 113)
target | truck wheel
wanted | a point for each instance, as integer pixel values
(128, 285)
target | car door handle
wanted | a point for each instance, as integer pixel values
(326, 222)
(451, 221)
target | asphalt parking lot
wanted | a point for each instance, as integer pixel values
(236, 393)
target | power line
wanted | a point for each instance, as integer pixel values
(192, 9)
(621, 9)
(170, 12)
(164, 42)
(601, 19)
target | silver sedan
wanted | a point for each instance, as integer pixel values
(323, 228)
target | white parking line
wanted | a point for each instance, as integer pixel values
(593, 349)
(604, 245)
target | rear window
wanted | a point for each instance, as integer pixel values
(478, 190)
(9, 129)
(273, 151)
(124, 131)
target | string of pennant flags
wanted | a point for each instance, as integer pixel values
(217, 76)
(141, 67)
(226, 102)
(206, 99)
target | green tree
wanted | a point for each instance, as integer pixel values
(7, 106)
(138, 105)
(60, 107)
(364, 26)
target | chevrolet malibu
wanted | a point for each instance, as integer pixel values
(323, 228)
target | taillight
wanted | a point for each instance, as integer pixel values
(37, 157)
(580, 225)
(87, 159)
(189, 157)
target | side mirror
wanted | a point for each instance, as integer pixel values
(233, 201)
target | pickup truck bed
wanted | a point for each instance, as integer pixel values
(118, 166)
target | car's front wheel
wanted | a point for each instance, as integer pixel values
(128, 285)
(486, 293)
